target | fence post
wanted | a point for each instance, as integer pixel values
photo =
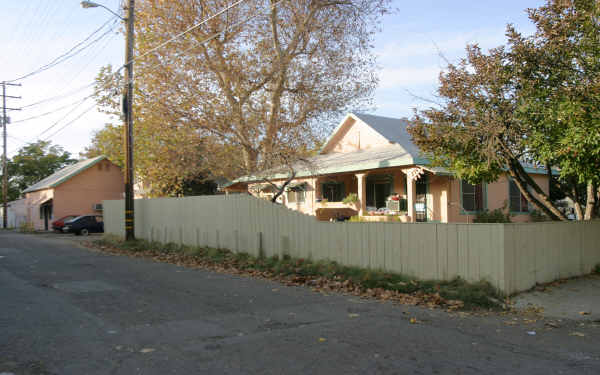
(261, 252)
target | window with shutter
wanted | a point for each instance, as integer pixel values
(518, 202)
(472, 197)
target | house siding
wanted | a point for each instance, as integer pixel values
(103, 181)
(497, 198)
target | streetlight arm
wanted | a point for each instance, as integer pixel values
(91, 4)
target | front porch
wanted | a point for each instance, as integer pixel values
(395, 194)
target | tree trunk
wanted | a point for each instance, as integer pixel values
(590, 202)
(542, 202)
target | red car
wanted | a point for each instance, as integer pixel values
(57, 225)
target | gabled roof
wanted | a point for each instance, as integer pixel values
(64, 174)
(400, 152)
(392, 129)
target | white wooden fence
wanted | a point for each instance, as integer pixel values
(513, 257)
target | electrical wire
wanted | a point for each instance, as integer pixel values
(70, 122)
(61, 96)
(52, 111)
(195, 26)
(71, 52)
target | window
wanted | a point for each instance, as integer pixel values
(472, 197)
(297, 196)
(332, 191)
(518, 202)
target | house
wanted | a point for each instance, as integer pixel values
(77, 189)
(17, 213)
(374, 158)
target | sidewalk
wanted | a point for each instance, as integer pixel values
(577, 299)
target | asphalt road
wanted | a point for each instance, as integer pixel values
(69, 310)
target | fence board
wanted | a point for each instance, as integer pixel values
(512, 257)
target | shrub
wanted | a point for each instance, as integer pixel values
(351, 198)
(26, 227)
(495, 216)
(356, 219)
(538, 216)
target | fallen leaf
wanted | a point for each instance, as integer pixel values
(584, 313)
(531, 333)
(147, 350)
(413, 321)
(322, 339)
(579, 334)
(353, 315)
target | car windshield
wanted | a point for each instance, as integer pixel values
(74, 219)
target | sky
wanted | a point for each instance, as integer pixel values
(33, 33)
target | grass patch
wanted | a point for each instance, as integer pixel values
(320, 274)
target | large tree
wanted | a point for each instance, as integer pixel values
(34, 162)
(257, 84)
(558, 72)
(531, 102)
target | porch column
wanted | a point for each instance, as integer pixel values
(412, 175)
(411, 196)
(362, 193)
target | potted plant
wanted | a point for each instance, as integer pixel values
(352, 200)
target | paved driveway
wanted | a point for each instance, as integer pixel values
(69, 310)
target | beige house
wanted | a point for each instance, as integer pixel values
(77, 189)
(374, 158)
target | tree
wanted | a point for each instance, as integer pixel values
(534, 101)
(33, 163)
(256, 84)
(558, 71)
(476, 132)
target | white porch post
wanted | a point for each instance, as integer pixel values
(362, 193)
(411, 196)
(412, 175)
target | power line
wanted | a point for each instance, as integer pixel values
(61, 96)
(52, 111)
(208, 39)
(71, 52)
(188, 30)
(71, 122)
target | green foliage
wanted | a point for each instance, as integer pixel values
(537, 216)
(351, 198)
(33, 163)
(26, 227)
(356, 219)
(537, 99)
(597, 269)
(495, 216)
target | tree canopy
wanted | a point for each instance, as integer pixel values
(252, 88)
(534, 101)
(34, 162)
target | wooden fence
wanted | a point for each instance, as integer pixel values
(513, 257)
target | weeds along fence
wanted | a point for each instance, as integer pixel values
(513, 257)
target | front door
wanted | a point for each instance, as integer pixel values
(378, 189)
(46, 213)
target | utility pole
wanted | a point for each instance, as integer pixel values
(4, 163)
(128, 128)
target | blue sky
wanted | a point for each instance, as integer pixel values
(34, 32)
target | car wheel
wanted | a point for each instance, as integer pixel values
(84, 232)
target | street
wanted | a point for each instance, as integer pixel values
(71, 310)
